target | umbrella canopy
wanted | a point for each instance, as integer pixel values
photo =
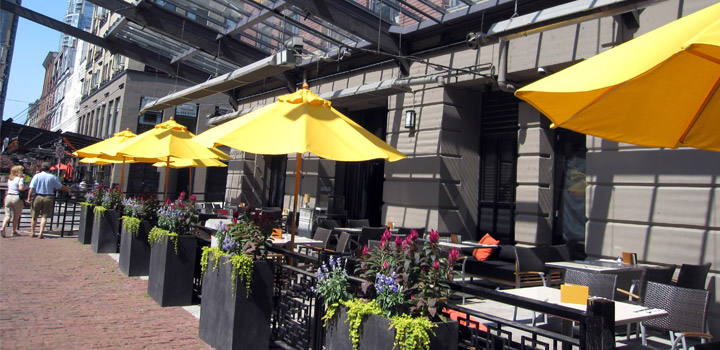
(176, 163)
(297, 123)
(96, 150)
(657, 90)
(166, 141)
(101, 161)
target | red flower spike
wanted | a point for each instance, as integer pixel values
(366, 250)
(398, 242)
(434, 236)
(436, 265)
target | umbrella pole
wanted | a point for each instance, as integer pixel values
(122, 176)
(167, 172)
(190, 185)
(295, 200)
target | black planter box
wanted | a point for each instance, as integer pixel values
(135, 251)
(171, 274)
(86, 224)
(105, 233)
(374, 333)
(231, 320)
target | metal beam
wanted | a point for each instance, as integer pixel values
(352, 19)
(130, 51)
(259, 70)
(166, 22)
(256, 18)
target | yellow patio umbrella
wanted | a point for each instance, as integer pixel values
(93, 153)
(165, 141)
(297, 123)
(657, 90)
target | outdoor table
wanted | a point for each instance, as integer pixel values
(625, 313)
(626, 273)
(299, 240)
(215, 222)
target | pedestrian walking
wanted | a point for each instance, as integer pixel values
(43, 185)
(13, 203)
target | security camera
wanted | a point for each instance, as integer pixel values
(542, 71)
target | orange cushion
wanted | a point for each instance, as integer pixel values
(483, 253)
(455, 314)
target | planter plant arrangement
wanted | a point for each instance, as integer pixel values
(175, 219)
(140, 215)
(243, 242)
(92, 198)
(409, 289)
(237, 291)
(173, 252)
(106, 225)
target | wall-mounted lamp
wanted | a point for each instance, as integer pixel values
(410, 119)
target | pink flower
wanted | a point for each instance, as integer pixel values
(192, 197)
(182, 196)
(386, 235)
(172, 206)
(413, 235)
(382, 241)
(436, 265)
(385, 265)
(366, 250)
(434, 236)
(453, 256)
(398, 241)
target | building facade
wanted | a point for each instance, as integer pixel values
(8, 29)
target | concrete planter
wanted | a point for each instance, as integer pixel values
(106, 232)
(135, 251)
(171, 273)
(374, 334)
(231, 320)
(86, 224)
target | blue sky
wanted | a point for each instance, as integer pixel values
(32, 44)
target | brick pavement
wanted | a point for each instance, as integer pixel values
(57, 294)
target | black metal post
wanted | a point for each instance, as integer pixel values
(598, 330)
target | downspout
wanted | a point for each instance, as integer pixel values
(503, 67)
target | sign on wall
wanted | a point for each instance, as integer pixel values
(187, 110)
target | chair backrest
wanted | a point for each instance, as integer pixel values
(600, 285)
(322, 234)
(693, 276)
(358, 223)
(527, 260)
(329, 223)
(368, 233)
(686, 307)
(342, 243)
(662, 275)
(373, 244)
(406, 230)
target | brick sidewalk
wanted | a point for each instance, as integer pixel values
(57, 294)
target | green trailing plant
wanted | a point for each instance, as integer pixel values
(99, 211)
(358, 311)
(242, 265)
(157, 234)
(411, 332)
(131, 224)
(205, 258)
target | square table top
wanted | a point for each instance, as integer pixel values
(298, 240)
(599, 265)
(625, 313)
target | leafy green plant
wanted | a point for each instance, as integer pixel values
(179, 217)
(358, 311)
(205, 258)
(112, 199)
(157, 234)
(242, 266)
(411, 332)
(99, 211)
(131, 224)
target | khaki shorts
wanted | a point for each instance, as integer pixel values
(43, 205)
(13, 205)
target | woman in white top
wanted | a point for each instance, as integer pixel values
(13, 203)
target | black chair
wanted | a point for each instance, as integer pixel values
(328, 223)
(406, 230)
(687, 312)
(636, 294)
(358, 223)
(599, 284)
(343, 244)
(370, 233)
(693, 276)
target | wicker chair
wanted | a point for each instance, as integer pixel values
(687, 312)
(600, 285)
(693, 276)
(358, 223)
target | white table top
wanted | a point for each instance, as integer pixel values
(598, 265)
(466, 245)
(624, 313)
(214, 223)
(298, 240)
